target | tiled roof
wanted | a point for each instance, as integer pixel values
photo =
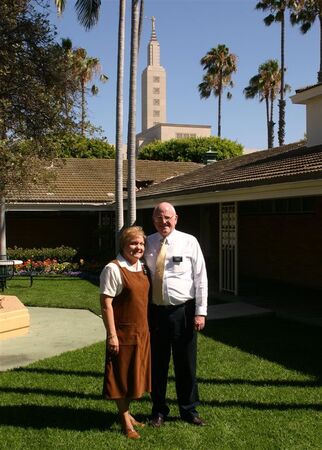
(93, 180)
(307, 88)
(291, 162)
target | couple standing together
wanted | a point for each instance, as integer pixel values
(177, 310)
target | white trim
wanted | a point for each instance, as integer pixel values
(303, 97)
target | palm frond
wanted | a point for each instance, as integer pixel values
(88, 12)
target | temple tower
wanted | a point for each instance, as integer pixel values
(153, 80)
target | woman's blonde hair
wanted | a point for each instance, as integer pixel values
(127, 234)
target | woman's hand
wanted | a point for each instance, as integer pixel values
(113, 345)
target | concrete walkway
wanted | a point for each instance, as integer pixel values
(54, 331)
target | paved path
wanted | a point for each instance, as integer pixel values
(54, 331)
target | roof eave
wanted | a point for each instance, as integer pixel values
(302, 188)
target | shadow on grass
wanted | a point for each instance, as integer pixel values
(263, 406)
(39, 417)
(214, 381)
(77, 373)
(81, 419)
(294, 345)
(258, 383)
(51, 393)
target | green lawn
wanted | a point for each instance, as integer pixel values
(260, 382)
(58, 292)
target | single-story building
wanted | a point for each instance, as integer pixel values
(77, 208)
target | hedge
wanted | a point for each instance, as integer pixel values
(61, 254)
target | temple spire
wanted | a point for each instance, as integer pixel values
(153, 34)
(153, 47)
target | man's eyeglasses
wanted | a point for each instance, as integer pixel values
(161, 219)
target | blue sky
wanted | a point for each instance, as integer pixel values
(186, 31)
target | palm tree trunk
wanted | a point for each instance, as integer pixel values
(268, 123)
(83, 108)
(320, 71)
(219, 107)
(119, 212)
(271, 122)
(140, 22)
(131, 149)
(219, 115)
(3, 241)
(281, 119)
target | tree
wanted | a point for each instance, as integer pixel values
(70, 85)
(88, 13)
(190, 149)
(305, 12)
(266, 85)
(277, 10)
(119, 212)
(85, 69)
(31, 100)
(131, 141)
(219, 65)
(73, 145)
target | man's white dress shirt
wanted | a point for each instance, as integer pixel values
(185, 275)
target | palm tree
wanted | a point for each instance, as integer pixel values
(86, 68)
(131, 143)
(119, 211)
(277, 10)
(88, 14)
(305, 14)
(266, 85)
(219, 65)
(67, 47)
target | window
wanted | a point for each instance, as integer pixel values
(156, 79)
(296, 205)
(185, 135)
(156, 90)
(156, 102)
(156, 113)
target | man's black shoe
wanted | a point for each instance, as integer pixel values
(195, 420)
(157, 421)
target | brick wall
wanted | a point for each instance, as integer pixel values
(283, 248)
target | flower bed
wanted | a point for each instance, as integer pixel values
(51, 267)
(48, 267)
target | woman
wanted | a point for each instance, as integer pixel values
(124, 287)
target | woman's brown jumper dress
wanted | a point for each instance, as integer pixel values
(128, 374)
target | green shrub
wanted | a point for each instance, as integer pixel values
(190, 149)
(76, 146)
(61, 254)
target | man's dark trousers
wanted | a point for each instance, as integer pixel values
(172, 329)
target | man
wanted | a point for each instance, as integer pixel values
(178, 311)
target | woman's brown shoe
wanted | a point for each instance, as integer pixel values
(131, 434)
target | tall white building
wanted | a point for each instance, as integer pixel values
(154, 103)
(154, 91)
